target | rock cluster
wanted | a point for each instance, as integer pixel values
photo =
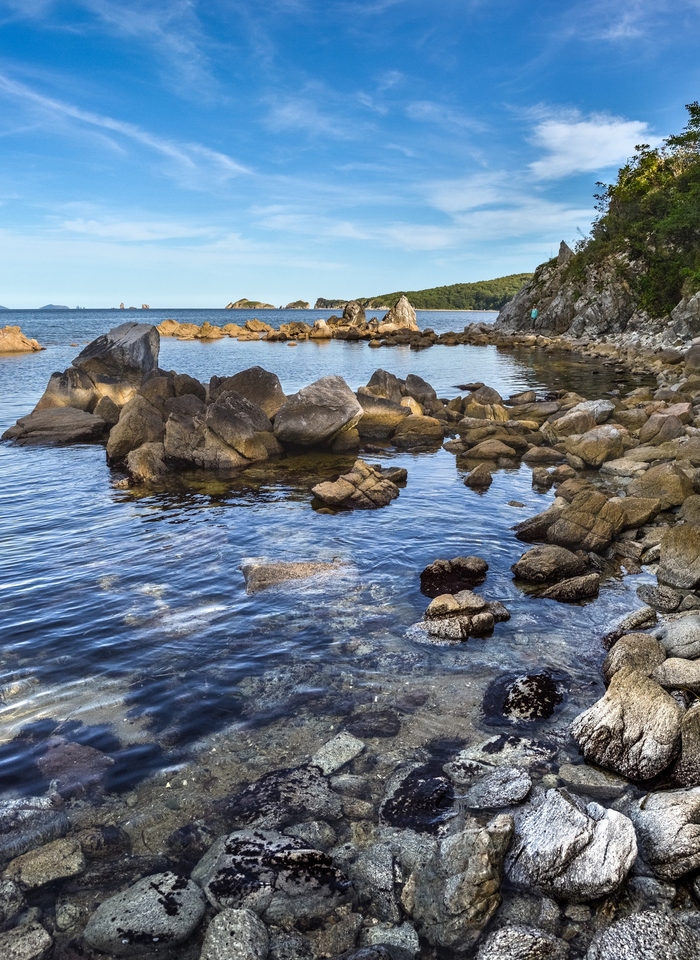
(12, 340)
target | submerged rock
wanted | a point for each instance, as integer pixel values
(29, 822)
(260, 576)
(418, 798)
(523, 698)
(283, 797)
(451, 576)
(570, 850)
(235, 935)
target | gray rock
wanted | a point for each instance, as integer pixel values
(385, 385)
(283, 797)
(261, 388)
(681, 638)
(372, 875)
(317, 413)
(403, 315)
(12, 903)
(30, 942)
(678, 674)
(126, 352)
(54, 861)
(72, 388)
(147, 463)
(573, 590)
(419, 389)
(548, 564)
(591, 782)
(600, 410)
(240, 424)
(679, 557)
(639, 651)
(380, 417)
(455, 893)
(401, 941)
(522, 943)
(235, 935)
(314, 833)
(278, 877)
(668, 829)
(686, 771)
(645, 936)
(59, 425)
(659, 597)
(28, 823)
(139, 423)
(507, 750)
(337, 752)
(158, 912)
(502, 787)
(354, 314)
(634, 729)
(565, 849)
(260, 576)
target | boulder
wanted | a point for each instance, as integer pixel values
(126, 352)
(455, 617)
(666, 483)
(385, 385)
(72, 388)
(28, 942)
(284, 797)
(159, 911)
(668, 829)
(549, 564)
(569, 850)
(574, 422)
(60, 425)
(480, 478)
(636, 510)
(645, 936)
(12, 340)
(317, 413)
(321, 331)
(147, 463)
(418, 388)
(188, 441)
(686, 772)
(454, 894)
(681, 638)
(451, 576)
(589, 522)
(661, 427)
(380, 417)
(257, 385)
(692, 359)
(597, 445)
(491, 450)
(639, 651)
(678, 674)
(416, 433)
(139, 423)
(354, 314)
(402, 315)
(679, 558)
(600, 410)
(573, 590)
(634, 729)
(363, 488)
(520, 942)
(278, 877)
(242, 426)
(53, 861)
(501, 787)
(27, 823)
(235, 935)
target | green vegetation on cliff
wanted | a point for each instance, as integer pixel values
(650, 218)
(482, 295)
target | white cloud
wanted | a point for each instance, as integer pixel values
(304, 115)
(134, 230)
(576, 144)
(428, 111)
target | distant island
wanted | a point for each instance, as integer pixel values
(481, 295)
(250, 305)
(298, 305)
(54, 306)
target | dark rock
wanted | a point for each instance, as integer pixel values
(76, 768)
(373, 723)
(660, 598)
(380, 417)
(420, 798)
(480, 478)
(385, 385)
(104, 842)
(241, 425)
(60, 425)
(147, 463)
(418, 433)
(451, 576)
(139, 423)
(419, 389)
(126, 352)
(258, 386)
(72, 388)
(317, 413)
(523, 698)
(283, 797)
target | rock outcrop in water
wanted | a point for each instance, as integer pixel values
(12, 340)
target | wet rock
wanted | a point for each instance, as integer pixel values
(666, 483)
(416, 433)
(284, 797)
(147, 463)
(314, 415)
(278, 877)
(126, 352)
(634, 729)
(29, 822)
(451, 576)
(401, 942)
(455, 893)
(574, 590)
(139, 423)
(75, 768)
(638, 619)
(679, 558)
(645, 936)
(597, 445)
(639, 651)
(316, 833)
(158, 912)
(519, 942)
(548, 564)
(380, 417)
(241, 425)
(30, 942)
(12, 903)
(419, 798)
(589, 522)
(378, 952)
(103, 842)
(591, 782)
(260, 576)
(235, 935)
(53, 861)
(523, 698)
(61, 425)
(501, 750)
(565, 849)
(575, 422)
(480, 478)
(491, 450)
(681, 638)
(668, 828)
(337, 752)
(660, 598)
(385, 385)
(289, 945)
(363, 488)
(258, 386)
(373, 877)
(457, 617)
(502, 787)
(374, 723)
(189, 843)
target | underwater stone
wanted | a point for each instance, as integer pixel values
(283, 797)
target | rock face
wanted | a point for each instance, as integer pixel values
(645, 936)
(259, 386)
(64, 425)
(402, 316)
(668, 828)
(363, 488)
(159, 911)
(12, 340)
(455, 894)
(634, 729)
(679, 558)
(569, 850)
(278, 877)
(317, 413)
(127, 352)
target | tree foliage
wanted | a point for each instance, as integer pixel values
(651, 215)
(482, 295)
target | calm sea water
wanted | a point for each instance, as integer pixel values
(124, 616)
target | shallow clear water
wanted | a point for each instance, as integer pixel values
(126, 612)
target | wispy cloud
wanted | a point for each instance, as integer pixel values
(193, 164)
(429, 111)
(134, 231)
(626, 20)
(303, 114)
(577, 144)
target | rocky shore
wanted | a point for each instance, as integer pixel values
(353, 850)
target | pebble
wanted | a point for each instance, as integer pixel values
(337, 753)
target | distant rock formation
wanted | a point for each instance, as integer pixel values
(298, 305)
(322, 304)
(55, 306)
(250, 305)
(12, 340)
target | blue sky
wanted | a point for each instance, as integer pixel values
(186, 153)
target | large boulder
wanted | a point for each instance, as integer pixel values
(72, 388)
(679, 558)
(257, 385)
(549, 564)
(520, 942)
(668, 829)
(646, 936)
(666, 483)
(380, 417)
(385, 385)
(317, 413)
(569, 850)
(12, 340)
(139, 423)
(635, 729)
(575, 422)
(363, 488)
(188, 441)
(242, 426)
(354, 314)
(418, 433)
(661, 427)
(640, 651)
(590, 522)
(61, 425)
(126, 352)
(402, 316)
(598, 445)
